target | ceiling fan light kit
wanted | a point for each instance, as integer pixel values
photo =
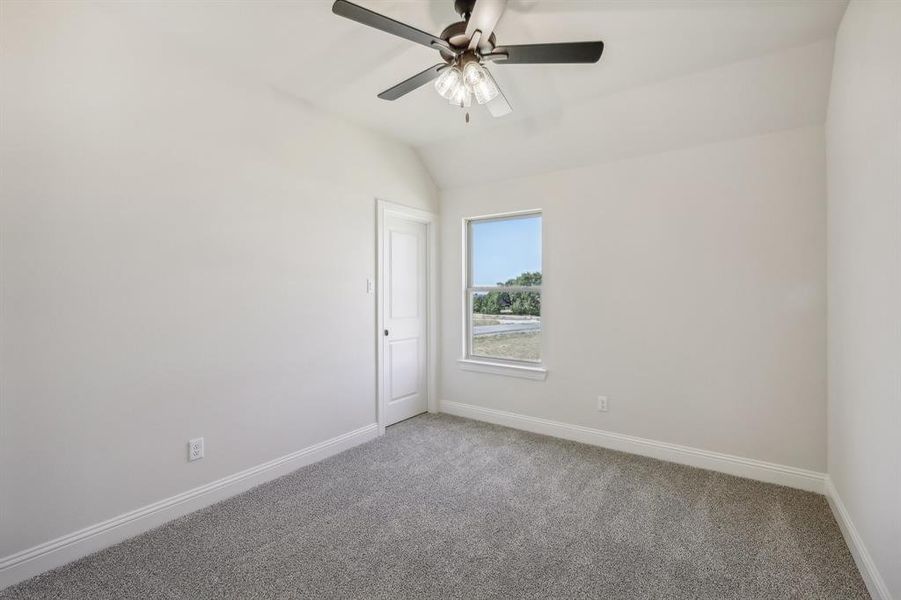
(465, 46)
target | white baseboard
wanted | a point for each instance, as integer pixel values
(875, 583)
(40, 558)
(803, 479)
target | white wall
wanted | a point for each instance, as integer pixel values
(688, 286)
(184, 253)
(864, 268)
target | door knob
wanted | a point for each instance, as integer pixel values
(386, 333)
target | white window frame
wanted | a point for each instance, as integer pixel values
(527, 369)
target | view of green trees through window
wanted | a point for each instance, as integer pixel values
(516, 303)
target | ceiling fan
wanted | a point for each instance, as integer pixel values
(465, 47)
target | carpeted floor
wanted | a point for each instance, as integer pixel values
(443, 507)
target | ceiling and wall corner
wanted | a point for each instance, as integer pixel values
(778, 91)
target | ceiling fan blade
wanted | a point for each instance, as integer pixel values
(498, 106)
(408, 85)
(565, 52)
(351, 11)
(484, 18)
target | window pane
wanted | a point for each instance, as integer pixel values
(506, 251)
(506, 325)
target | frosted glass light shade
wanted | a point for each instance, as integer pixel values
(477, 79)
(448, 82)
(485, 91)
(473, 74)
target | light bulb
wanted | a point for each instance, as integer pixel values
(480, 82)
(461, 96)
(447, 82)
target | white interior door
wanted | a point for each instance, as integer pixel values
(404, 367)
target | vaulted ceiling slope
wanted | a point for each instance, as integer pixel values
(673, 73)
(784, 90)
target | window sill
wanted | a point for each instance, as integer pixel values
(495, 368)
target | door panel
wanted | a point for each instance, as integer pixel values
(403, 301)
(404, 364)
(404, 373)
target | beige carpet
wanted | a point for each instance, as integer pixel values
(443, 507)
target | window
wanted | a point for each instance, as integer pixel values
(503, 291)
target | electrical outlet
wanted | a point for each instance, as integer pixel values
(195, 449)
(602, 403)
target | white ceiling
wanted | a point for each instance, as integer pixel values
(301, 49)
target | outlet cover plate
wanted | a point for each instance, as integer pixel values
(195, 449)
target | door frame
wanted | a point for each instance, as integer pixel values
(430, 220)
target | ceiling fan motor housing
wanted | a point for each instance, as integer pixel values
(455, 35)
